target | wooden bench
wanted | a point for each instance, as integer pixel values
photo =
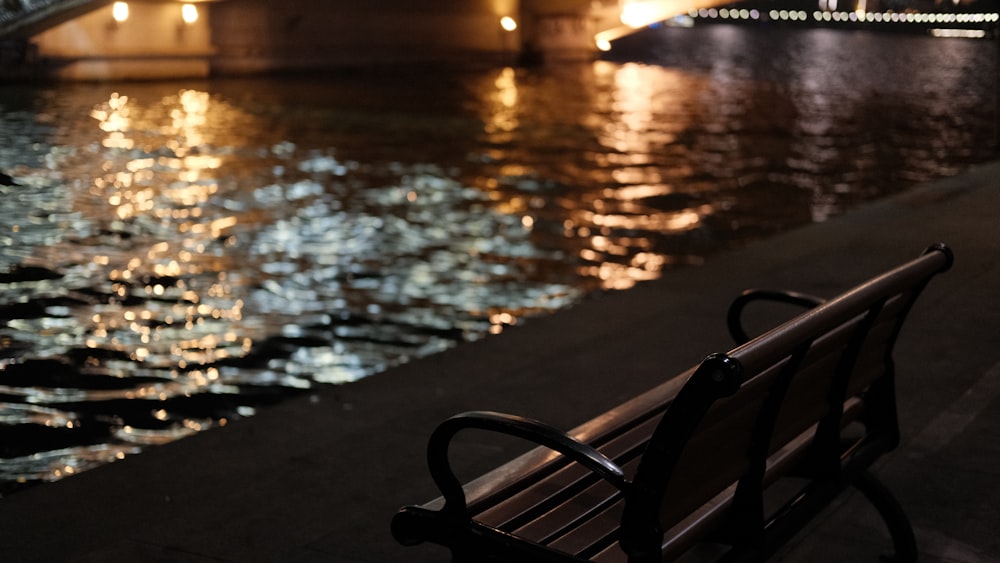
(735, 455)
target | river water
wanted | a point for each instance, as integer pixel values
(176, 255)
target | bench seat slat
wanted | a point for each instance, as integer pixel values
(594, 534)
(585, 513)
(490, 489)
(541, 496)
(573, 513)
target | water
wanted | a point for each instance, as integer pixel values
(179, 254)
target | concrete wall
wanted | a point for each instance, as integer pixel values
(154, 42)
(564, 30)
(250, 36)
(263, 35)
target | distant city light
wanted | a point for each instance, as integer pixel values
(966, 33)
(189, 12)
(508, 23)
(639, 13)
(859, 16)
(120, 11)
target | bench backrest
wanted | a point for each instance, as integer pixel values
(799, 383)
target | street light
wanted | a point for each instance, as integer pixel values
(120, 11)
(189, 12)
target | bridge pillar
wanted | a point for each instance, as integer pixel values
(559, 30)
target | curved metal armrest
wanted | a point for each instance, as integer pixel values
(529, 429)
(734, 319)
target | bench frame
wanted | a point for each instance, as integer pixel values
(817, 449)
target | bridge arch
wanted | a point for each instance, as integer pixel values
(76, 39)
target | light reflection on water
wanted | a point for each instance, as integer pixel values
(180, 254)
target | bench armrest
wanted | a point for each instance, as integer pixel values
(734, 319)
(526, 428)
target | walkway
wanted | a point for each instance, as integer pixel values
(319, 478)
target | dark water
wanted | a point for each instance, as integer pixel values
(180, 254)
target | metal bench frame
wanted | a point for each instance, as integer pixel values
(695, 459)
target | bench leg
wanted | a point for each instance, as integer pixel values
(895, 519)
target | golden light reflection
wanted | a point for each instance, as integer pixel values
(159, 175)
(500, 319)
(113, 115)
(503, 113)
(115, 121)
(635, 108)
(639, 94)
(619, 276)
(631, 193)
(189, 120)
(618, 224)
(663, 222)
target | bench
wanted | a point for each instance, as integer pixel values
(731, 458)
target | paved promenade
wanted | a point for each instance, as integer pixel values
(318, 479)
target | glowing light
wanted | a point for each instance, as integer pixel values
(189, 12)
(508, 23)
(823, 15)
(603, 44)
(120, 11)
(965, 33)
(639, 14)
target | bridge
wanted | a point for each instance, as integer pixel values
(105, 39)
